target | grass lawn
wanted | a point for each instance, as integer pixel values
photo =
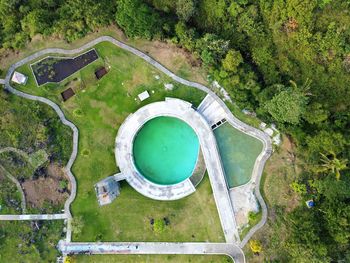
(151, 259)
(98, 109)
(281, 170)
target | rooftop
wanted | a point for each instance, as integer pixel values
(19, 78)
(144, 95)
(107, 190)
(67, 94)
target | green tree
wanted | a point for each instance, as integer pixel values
(211, 48)
(187, 36)
(138, 19)
(288, 106)
(78, 17)
(36, 21)
(325, 141)
(315, 113)
(235, 9)
(332, 164)
(232, 60)
(185, 9)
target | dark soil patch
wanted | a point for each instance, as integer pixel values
(55, 70)
(46, 188)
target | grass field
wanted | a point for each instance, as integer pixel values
(98, 109)
(281, 170)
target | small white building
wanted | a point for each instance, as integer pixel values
(144, 95)
(19, 78)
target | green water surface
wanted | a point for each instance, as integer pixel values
(165, 150)
(238, 153)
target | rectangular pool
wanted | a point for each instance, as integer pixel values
(238, 153)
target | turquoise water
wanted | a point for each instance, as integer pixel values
(238, 153)
(165, 150)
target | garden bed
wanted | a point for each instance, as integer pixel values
(53, 69)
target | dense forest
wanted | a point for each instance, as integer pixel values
(287, 60)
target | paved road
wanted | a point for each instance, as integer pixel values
(34, 217)
(2, 81)
(267, 150)
(149, 248)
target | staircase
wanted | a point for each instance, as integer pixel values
(212, 111)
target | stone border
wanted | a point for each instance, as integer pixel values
(50, 82)
(267, 150)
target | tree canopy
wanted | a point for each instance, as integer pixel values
(287, 106)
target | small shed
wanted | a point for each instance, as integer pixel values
(100, 72)
(67, 94)
(107, 190)
(19, 78)
(144, 95)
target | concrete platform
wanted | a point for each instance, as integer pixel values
(124, 149)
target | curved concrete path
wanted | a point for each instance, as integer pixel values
(14, 179)
(64, 121)
(19, 188)
(153, 248)
(267, 150)
(18, 151)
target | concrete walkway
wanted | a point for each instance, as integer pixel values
(267, 150)
(211, 110)
(153, 248)
(2, 81)
(34, 217)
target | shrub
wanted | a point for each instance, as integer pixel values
(255, 246)
(159, 226)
